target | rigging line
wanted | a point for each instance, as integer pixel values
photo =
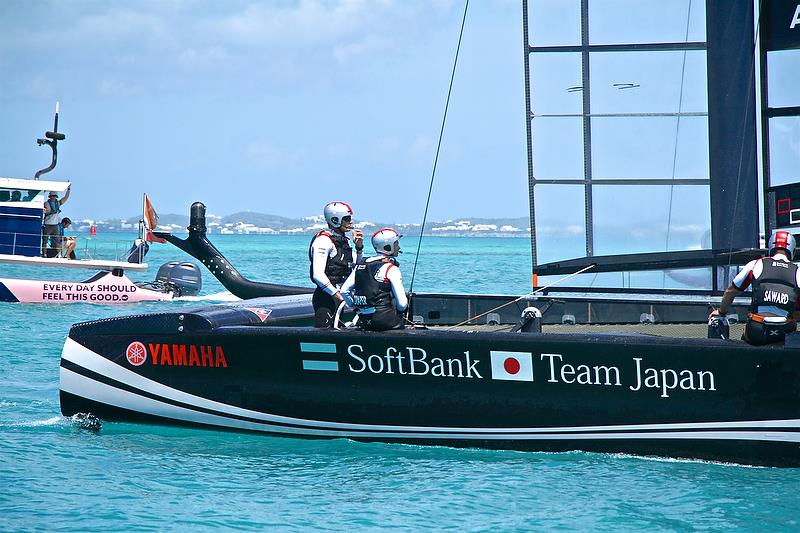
(438, 147)
(515, 300)
(751, 86)
(677, 133)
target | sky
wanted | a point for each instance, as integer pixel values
(276, 107)
(282, 106)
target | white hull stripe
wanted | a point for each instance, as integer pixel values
(150, 397)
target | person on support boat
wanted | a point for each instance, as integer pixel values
(65, 245)
(332, 260)
(776, 286)
(377, 285)
(52, 207)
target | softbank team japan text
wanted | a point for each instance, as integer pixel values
(549, 368)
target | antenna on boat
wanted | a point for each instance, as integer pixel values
(141, 219)
(51, 139)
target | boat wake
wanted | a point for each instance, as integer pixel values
(658, 459)
(81, 420)
(222, 296)
(53, 421)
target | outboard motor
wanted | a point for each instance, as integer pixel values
(183, 277)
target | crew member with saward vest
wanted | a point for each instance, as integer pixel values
(376, 285)
(52, 208)
(776, 286)
(332, 260)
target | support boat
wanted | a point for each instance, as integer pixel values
(21, 244)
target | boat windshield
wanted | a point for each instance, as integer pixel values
(18, 195)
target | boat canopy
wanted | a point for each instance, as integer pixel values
(91, 264)
(27, 184)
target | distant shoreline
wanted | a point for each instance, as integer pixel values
(250, 223)
(499, 235)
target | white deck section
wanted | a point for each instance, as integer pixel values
(94, 264)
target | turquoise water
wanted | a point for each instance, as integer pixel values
(56, 477)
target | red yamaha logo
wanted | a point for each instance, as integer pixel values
(136, 353)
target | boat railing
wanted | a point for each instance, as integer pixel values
(20, 243)
(87, 247)
(565, 313)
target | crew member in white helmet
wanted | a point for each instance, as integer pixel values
(376, 285)
(776, 286)
(332, 260)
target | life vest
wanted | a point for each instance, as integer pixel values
(776, 286)
(369, 292)
(51, 219)
(337, 268)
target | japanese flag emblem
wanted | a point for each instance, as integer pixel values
(512, 366)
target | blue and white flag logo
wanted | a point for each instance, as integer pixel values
(324, 365)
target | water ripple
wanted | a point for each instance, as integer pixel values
(56, 476)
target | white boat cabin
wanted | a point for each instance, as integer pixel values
(21, 212)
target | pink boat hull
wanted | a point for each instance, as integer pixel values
(103, 288)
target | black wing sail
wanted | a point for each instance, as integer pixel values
(701, 164)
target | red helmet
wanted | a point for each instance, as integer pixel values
(782, 239)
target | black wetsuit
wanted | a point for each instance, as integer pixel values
(369, 294)
(775, 286)
(337, 269)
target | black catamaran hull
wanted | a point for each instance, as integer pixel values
(709, 399)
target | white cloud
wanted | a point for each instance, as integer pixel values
(340, 150)
(422, 145)
(263, 154)
(117, 88)
(345, 53)
(40, 86)
(120, 25)
(304, 23)
(388, 145)
(290, 41)
(205, 58)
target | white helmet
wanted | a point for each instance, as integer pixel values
(383, 240)
(335, 212)
(782, 239)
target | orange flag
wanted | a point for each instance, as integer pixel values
(150, 221)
